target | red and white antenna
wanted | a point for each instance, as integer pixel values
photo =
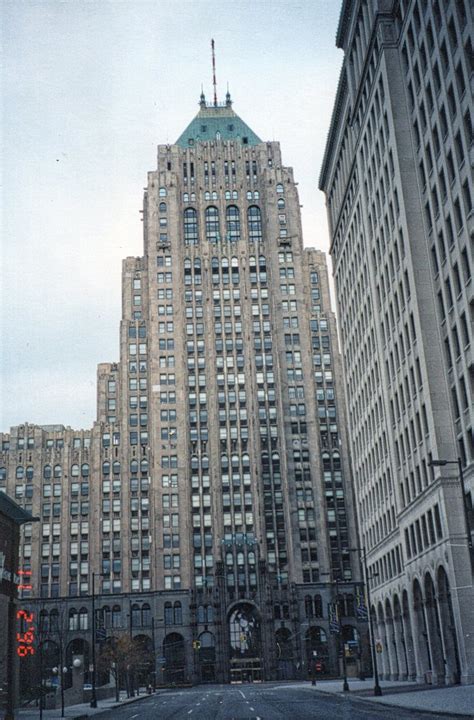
(214, 72)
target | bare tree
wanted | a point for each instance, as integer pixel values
(119, 655)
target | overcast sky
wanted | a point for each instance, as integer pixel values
(89, 88)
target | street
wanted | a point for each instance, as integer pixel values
(258, 702)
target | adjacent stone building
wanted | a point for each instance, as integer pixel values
(212, 498)
(397, 174)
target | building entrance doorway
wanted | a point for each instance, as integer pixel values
(245, 644)
(246, 671)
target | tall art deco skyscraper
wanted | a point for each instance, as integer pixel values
(398, 180)
(213, 493)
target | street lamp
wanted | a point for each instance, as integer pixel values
(93, 702)
(458, 462)
(377, 688)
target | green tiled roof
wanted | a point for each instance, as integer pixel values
(214, 122)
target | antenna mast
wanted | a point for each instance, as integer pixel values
(214, 72)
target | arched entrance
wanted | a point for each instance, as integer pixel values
(453, 666)
(245, 638)
(434, 630)
(77, 648)
(317, 649)
(352, 650)
(285, 655)
(421, 634)
(173, 652)
(408, 637)
(144, 669)
(207, 657)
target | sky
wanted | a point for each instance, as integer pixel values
(89, 88)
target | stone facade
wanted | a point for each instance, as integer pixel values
(398, 182)
(212, 497)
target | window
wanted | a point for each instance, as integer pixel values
(254, 220)
(191, 236)
(212, 224)
(233, 223)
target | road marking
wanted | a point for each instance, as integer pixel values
(133, 716)
(252, 709)
(240, 691)
(189, 712)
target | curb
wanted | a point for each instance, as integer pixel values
(130, 701)
(371, 703)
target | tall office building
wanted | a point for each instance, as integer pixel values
(397, 174)
(211, 501)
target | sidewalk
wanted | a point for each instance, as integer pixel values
(81, 710)
(457, 700)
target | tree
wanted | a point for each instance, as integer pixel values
(119, 655)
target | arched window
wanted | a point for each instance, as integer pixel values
(229, 558)
(106, 467)
(326, 461)
(47, 472)
(106, 616)
(54, 620)
(205, 462)
(210, 614)
(20, 472)
(191, 236)
(254, 221)
(207, 195)
(336, 459)
(3, 473)
(85, 470)
(186, 197)
(43, 621)
(136, 615)
(74, 471)
(29, 472)
(116, 616)
(146, 615)
(281, 204)
(233, 223)
(178, 613)
(144, 466)
(227, 195)
(201, 614)
(279, 188)
(162, 193)
(212, 224)
(58, 471)
(194, 462)
(224, 462)
(134, 466)
(214, 195)
(318, 606)
(308, 606)
(83, 619)
(162, 207)
(350, 605)
(168, 613)
(73, 619)
(116, 467)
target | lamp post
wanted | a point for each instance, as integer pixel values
(458, 462)
(377, 688)
(93, 703)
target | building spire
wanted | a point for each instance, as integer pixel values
(214, 72)
(202, 98)
(228, 100)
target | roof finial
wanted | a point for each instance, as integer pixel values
(214, 72)
(228, 100)
(202, 99)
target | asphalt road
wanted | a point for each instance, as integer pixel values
(257, 702)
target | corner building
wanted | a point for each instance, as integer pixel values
(213, 493)
(398, 182)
